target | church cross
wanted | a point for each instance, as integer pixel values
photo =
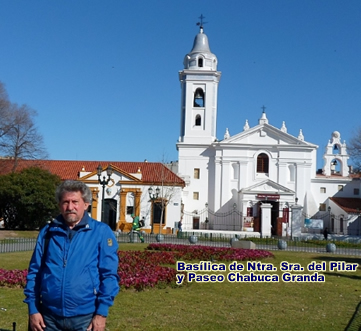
(201, 22)
(263, 108)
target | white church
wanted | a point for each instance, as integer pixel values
(263, 180)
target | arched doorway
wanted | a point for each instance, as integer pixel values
(157, 215)
(110, 213)
(276, 224)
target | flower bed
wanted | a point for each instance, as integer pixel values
(146, 269)
(141, 270)
(13, 278)
(207, 253)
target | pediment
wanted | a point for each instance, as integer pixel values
(265, 134)
(267, 186)
(117, 175)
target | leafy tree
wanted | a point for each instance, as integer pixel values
(19, 137)
(354, 149)
(27, 199)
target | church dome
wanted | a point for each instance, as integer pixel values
(200, 57)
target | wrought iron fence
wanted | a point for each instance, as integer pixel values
(17, 245)
(351, 247)
(344, 247)
(207, 219)
(337, 224)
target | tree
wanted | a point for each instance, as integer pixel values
(167, 187)
(354, 149)
(27, 198)
(19, 137)
(4, 111)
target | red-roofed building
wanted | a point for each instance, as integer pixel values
(127, 191)
(345, 214)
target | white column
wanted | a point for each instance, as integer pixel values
(225, 181)
(217, 184)
(296, 221)
(266, 220)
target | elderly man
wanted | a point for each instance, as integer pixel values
(72, 279)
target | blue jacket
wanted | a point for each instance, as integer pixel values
(78, 273)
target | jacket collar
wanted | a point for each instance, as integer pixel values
(84, 222)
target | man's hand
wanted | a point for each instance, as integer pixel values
(36, 322)
(97, 324)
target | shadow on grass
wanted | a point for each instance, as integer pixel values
(355, 321)
(339, 274)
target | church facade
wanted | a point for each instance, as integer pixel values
(255, 179)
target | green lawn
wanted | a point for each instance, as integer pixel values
(221, 306)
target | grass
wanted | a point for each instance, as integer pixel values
(222, 306)
(10, 234)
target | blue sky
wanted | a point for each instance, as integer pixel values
(103, 75)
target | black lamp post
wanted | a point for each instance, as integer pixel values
(103, 182)
(154, 196)
(234, 216)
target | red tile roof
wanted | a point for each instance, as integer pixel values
(349, 205)
(152, 172)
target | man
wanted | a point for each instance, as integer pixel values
(136, 227)
(180, 225)
(325, 233)
(72, 278)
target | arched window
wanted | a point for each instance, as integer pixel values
(198, 98)
(341, 225)
(262, 163)
(200, 62)
(335, 166)
(336, 149)
(198, 121)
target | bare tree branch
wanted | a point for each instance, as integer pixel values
(19, 137)
(354, 149)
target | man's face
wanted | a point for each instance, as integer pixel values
(72, 207)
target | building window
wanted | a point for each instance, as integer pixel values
(200, 62)
(196, 173)
(262, 163)
(198, 120)
(130, 210)
(322, 189)
(195, 195)
(198, 98)
(249, 211)
(340, 187)
(356, 191)
(341, 225)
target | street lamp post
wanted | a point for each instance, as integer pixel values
(153, 197)
(103, 182)
(207, 220)
(296, 203)
(331, 226)
(234, 216)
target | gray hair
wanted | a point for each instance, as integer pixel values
(73, 186)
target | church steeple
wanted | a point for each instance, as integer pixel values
(200, 57)
(335, 157)
(199, 82)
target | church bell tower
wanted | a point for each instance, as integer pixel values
(199, 88)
